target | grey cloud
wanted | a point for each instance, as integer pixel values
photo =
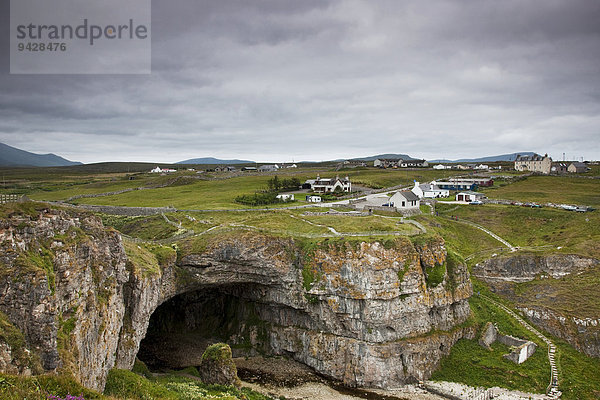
(275, 80)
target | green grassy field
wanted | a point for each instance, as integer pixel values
(549, 189)
(290, 223)
(559, 230)
(471, 243)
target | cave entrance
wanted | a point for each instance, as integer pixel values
(181, 328)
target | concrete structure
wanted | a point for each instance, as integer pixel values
(577, 168)
(429, 191)
(521, 349)
(534, 163)
(329, 185)
(469, 196)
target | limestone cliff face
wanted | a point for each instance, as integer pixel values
(363, 313)
(547, 306)
(62, 286)
(526, 267)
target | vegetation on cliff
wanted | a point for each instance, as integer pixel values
(471, 364)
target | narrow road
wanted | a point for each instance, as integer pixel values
(552, 390)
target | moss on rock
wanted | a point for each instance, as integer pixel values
(217, 366)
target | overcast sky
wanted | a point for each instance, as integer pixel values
(279, 80)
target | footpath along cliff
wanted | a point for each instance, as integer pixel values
(77, 298)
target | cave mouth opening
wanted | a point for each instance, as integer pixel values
(183, 327)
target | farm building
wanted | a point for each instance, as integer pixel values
(577, 168)
(469, 196)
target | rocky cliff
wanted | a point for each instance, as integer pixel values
(556, 292)
(61, 284)
(368, 314)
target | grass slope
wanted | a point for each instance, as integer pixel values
(473, 365)
(553, 189)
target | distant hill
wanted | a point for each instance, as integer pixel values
(13, 157)
(502, 157)
(211, 160)
(393, 156)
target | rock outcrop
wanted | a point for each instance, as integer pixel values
(367, 314)
(527, 267)
(217, 366)
(61, 284)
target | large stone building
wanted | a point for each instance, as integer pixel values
(534, 163)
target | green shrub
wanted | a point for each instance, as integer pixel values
(435, 275)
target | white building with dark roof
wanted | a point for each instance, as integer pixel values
(429, 191)
(330, 185)
(405, 201)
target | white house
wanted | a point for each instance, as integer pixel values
(285, 197)
(159, 170)
(313, 199)
(330, 185)
(429, 191)
(482, 166)
(440, 166)
(405, 201)
(268, 168)
(469, 196)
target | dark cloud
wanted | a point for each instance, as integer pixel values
(281, 80)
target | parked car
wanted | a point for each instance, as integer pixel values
(568, 207)
(581, 209)
(476, 202)
(534, 205)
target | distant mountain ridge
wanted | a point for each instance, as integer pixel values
(389, 155)
(13, 157)
(212, 160)
(502, 157)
